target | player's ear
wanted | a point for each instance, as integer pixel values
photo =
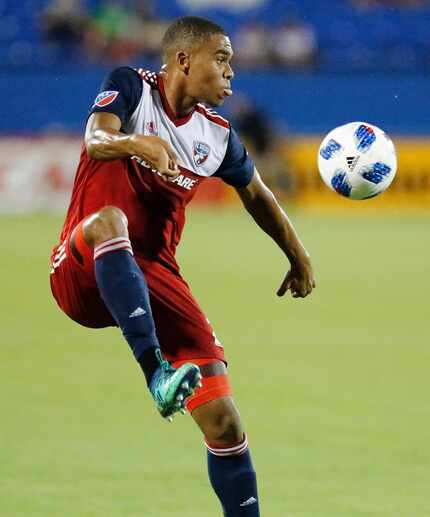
(183, 61)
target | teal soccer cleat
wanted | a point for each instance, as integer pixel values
(171, 387)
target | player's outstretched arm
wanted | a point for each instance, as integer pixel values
(260, 202)
(104, 141)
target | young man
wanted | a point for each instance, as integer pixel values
(149, 143)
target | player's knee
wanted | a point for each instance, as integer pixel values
(113, 217)
(108, 223)
(225, 427)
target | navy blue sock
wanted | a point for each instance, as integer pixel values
(124, 290)
(233, 478)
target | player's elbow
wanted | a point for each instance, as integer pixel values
(92, 153)
(93, 142)
(91, 148)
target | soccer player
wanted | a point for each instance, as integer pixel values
(150, 141)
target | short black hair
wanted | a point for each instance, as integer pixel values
(188, 31)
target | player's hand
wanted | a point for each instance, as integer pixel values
(299, 280)
(156, 153)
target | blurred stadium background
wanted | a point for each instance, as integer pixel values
(333, 389)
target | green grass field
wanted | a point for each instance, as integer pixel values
(334, 389)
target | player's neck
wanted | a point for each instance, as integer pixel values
(179, 102)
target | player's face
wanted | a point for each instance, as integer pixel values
(210, 72)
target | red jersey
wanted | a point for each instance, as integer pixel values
(204, 142)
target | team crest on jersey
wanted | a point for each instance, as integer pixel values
(201, 152)
(105, 98)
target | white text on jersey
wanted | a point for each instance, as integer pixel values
(184, 182)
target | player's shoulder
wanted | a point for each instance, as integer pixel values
(122, 79)
(123, 72)
(212, 116)
(150, 78)
(135, 75)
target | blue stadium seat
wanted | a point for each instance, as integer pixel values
(391, 39)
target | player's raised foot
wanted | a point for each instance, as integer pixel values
(171, 387)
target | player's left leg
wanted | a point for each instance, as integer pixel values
(230, 467)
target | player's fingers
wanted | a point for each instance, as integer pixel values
(166, 168)
(286, 284)
(299, 295)
(171, 153)
(169, 176)
(161, 176)
(281, 291)
(296, 293)
(292, 287)
(173, 165)
(163, 161)
(308, 289)
(301, 290)
(170, 173)
(304, 288)
(311, 287)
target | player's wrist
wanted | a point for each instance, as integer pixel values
(133, 149)
(299, 257)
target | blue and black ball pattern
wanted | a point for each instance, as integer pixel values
(365, 137)
(376, 173)
(340, 184)
(330, 149)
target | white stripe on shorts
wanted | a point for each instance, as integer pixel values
(59, 256)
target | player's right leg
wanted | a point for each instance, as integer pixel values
(101, 243)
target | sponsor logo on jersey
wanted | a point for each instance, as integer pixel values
(201, 152)
(151, 128)
(184, 182)
(105, 98)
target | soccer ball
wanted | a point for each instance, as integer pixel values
(357, 160)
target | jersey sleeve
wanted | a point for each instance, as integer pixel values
(237, 168)
(120, 93)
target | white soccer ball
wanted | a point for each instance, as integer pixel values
(357, 160)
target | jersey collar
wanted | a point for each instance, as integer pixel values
(169, 112)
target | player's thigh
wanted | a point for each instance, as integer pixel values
(185, 335)
(182, 328)
(73, 282)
